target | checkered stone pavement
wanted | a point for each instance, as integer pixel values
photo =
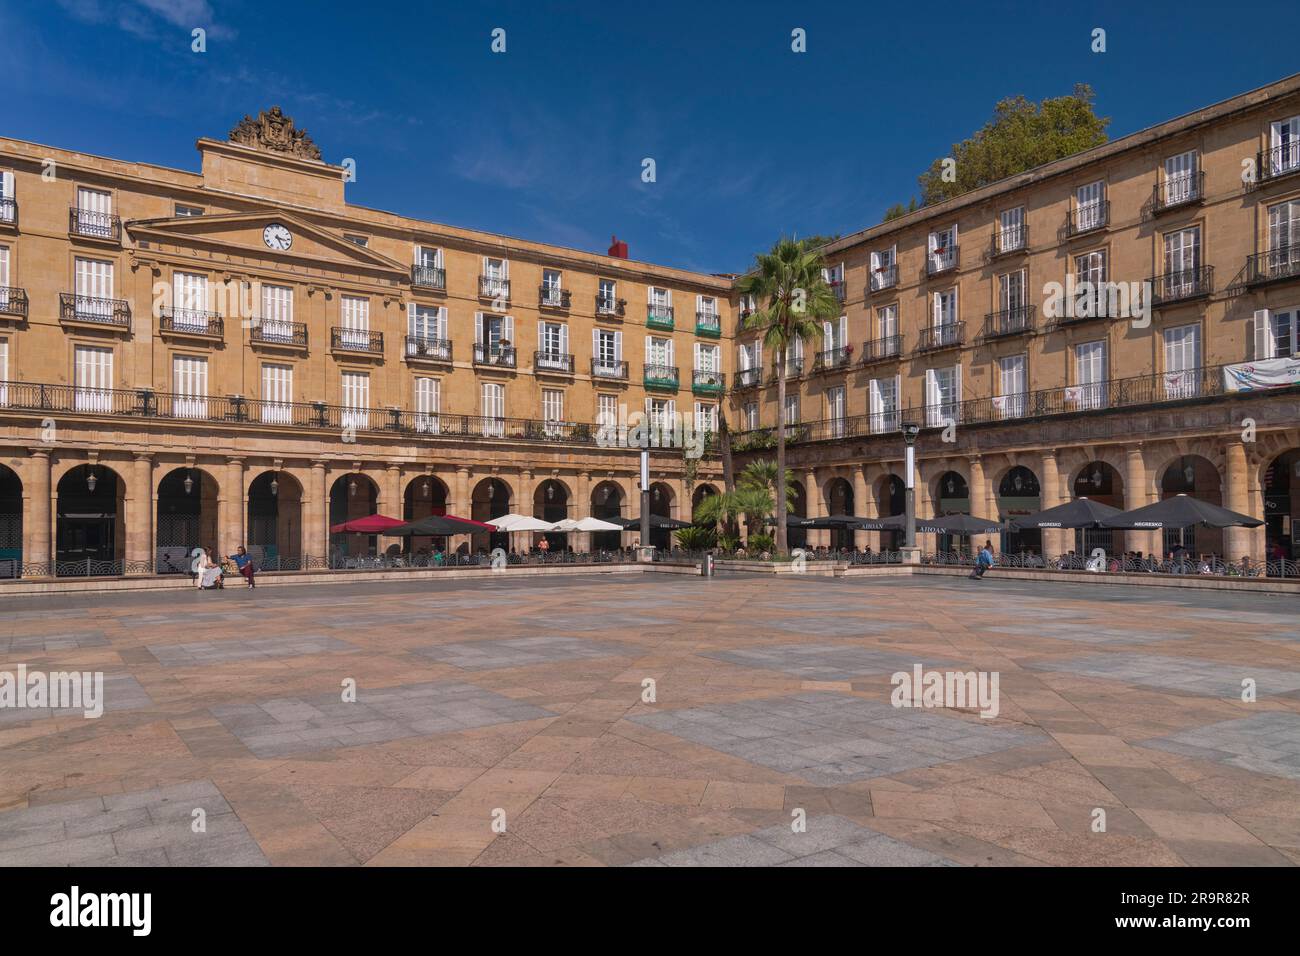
(830, 738)
(518, 652)
(142, 828)
(1188, 675)
(121, 692)
(1265, 743)
(1084, 633)
(265, 648)
(828, 662)
(827, 841)
(278, 728)
(50, 643)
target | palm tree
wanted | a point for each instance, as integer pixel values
(791, 300)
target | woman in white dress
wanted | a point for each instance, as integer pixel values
(209, 571)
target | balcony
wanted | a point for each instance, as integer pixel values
(91, 311)
(362, 341)
(493, 287)
(1008, 240)
(1014, 321)
(611, 369)
(278, 334)
(941, 260)
(494, 356)
(554, 363)
(937, 337)
(424, 348)
(746, 379)
(832, 360)
(708, 325)
(659, 317)
(191, 323)
(1086, 219)
(13, 304)
(553, 297)
(1182, 286)
(838, 288)
(882, 349)
(704, 382)
(8, 212)
(94, 225)
(884, 277)
(1279, 161)
(607, 308)
(1187, 189)
(661, 377)
(429, 277)
(1276, 265)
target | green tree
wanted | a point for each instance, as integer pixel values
(898, 210)
(1021, 135)
(791, 301)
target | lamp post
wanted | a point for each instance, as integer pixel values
(910, 431)
(645, 553)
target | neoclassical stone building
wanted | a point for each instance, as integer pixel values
(240, 355)
(951, 319)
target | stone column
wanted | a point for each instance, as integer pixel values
(464, 508)
(582, 509)
(816, 507)
(1237, 542)
(37, 550)
(980, 506)
(861, 539)
(1054, 540)
(393, 503)
(928, 542)
(527, 489)
(235, 505)
(317, 513)
(1136, 494)
(140, 511)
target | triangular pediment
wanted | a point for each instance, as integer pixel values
(243, 234)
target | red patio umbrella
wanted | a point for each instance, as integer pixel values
(371, 524)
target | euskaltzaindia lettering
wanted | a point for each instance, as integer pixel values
(76, 909)
(666, 429)
(55, 690)
(965, 690)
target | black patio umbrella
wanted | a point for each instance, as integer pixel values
(958, 524)
(825, 522)
(890, 523)
(657, 523)
(1180, 511)
(1079, 513)
(436, 526)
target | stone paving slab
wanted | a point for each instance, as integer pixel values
(199, 653)
(1084, 633)
(830, 738)
(291, 725)
(519, 652)
(1180, 674)
(1265, 743)
(121, 692)
(48, 643)
(826, 662)
(141, 828)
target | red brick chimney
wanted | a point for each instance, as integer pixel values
(617, 249)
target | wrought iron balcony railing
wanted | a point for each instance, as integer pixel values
(429, 277)
(1013, 321)
(423, 348)
(882, 349)
(708, 324)
(492, 287)
(659, 317)
(8, 212)
(552, 297)
(191, 322)
(606, 306)
(94, 225)
(747, 378)
(884, 277)
(501, 356)
(832, 360)
(609, 368)
(13, 302)
(280, 332)
(555, 362)
(1274, 265)
(707, 382)
(941, 260)
(937, 337)
(1184, 189)
(356, 340)
(839, 288)
(1087, 218)
(1283, 160)
(1008, 239)
(660, 376)
(1182, 285)
(86, 308)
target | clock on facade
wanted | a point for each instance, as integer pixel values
(277, 236)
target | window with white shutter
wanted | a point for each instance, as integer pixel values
(190, 302)
(8, 205)
(277, 394)
(93, 368)
(1180, 184)
(883, 412)
(553, 346)
(887, 328)
(1090, 390)
(190, 385)
(1011, 229)
(751, 416)
(356, 400)
(1090, 206)
(494, 409)
(607, 297)
(1283, 256)
(4, 279)
(884, 268)
(428, 403)
(355, 317)
(94, 212)
(706, 418)
(1013, 383)
(1182, 361)
(94, 290)
(552, 410)
(1284, 154)
(1182, 260)
(4, 370)
(277, 313)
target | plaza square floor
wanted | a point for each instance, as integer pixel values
(655, 720)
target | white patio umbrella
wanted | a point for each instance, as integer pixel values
(595, 524)
(568, 524)
(505, 522)
(514, 522)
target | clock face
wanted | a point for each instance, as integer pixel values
(277, 236)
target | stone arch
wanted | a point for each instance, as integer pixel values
(492, 497)
(11, 522)
(353, 495)
(90, 523)
(275, 526)
(186, 517)
(607, 501)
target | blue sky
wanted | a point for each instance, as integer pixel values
(546, 141)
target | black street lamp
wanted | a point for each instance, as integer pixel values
(910, 431)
